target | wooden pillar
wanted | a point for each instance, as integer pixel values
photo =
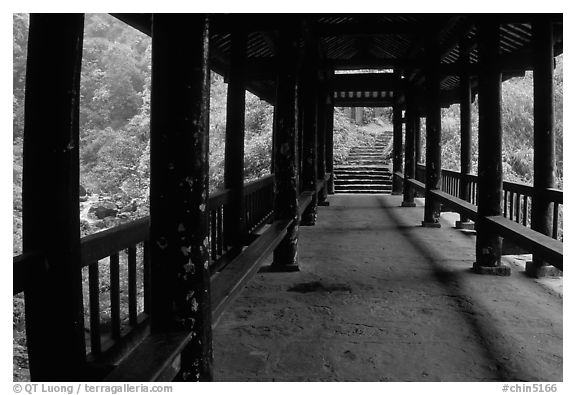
(321, 141)
(409, 157)
(397, 139)
(50, 197)
(330, 144)
(272, 153)
(465, 132)
(300, 126)
(488, 244)
(309, 130)
(286, 153)
(234, 223)
(417, 140)
(433, 136)
(179, 249)
(544, 139)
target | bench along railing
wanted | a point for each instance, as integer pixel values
(517, 197)
(117, 325)
(548, 248)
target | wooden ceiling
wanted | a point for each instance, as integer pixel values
(368, 41)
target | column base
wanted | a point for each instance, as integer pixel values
(431, 224)
(500, 270)
(468, 225)
(542, 271)
(279, 269)
(325, 203)
(408, 204)
(396, 193)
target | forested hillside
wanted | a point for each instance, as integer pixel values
(115, 116)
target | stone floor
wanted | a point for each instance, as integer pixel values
(379, 298)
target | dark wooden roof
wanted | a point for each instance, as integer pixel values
(368, 41)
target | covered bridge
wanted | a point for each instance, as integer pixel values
(201, 250)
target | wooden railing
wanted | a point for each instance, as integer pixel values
(117, 262)
(548, 248)
(517, 197)
(259, 202)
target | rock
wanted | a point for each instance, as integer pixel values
(130, 208)
(82, 191)
(103, 209)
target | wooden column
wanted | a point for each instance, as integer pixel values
(309, 130)
(300, 126)
(235, 221)
(417, 140)
(544, 139)
(286, 153)
(397, 139)
(488, 244)
(433, 136)
(179, 249)
(409, 157)
(330, 144)
(321, 141)
(465, 132)
(50, 197)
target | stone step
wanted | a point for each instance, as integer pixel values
(362, 173)
(359, 191)
(366, 162)
(362, 187)
(359, 169)
(374, 185)
(361, 177)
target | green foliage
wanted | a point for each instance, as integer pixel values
(347, 134)
(517, 129)
(258, 138)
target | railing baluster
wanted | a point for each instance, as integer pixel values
(94, 292)
(517, 207)
(555, 221)
(146, 277)
(525, 211)
(505, 203)
(220, 227)
(132, 290)
(213, 234)
(115, 294)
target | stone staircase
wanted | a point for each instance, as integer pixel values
(367, 168)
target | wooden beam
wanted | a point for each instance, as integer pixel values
(370, 28)
(54, 310)
(141, 22)
(362, 102)
(371, 62)
(365, 82)
(179, 251)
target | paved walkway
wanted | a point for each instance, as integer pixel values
(379, 298)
